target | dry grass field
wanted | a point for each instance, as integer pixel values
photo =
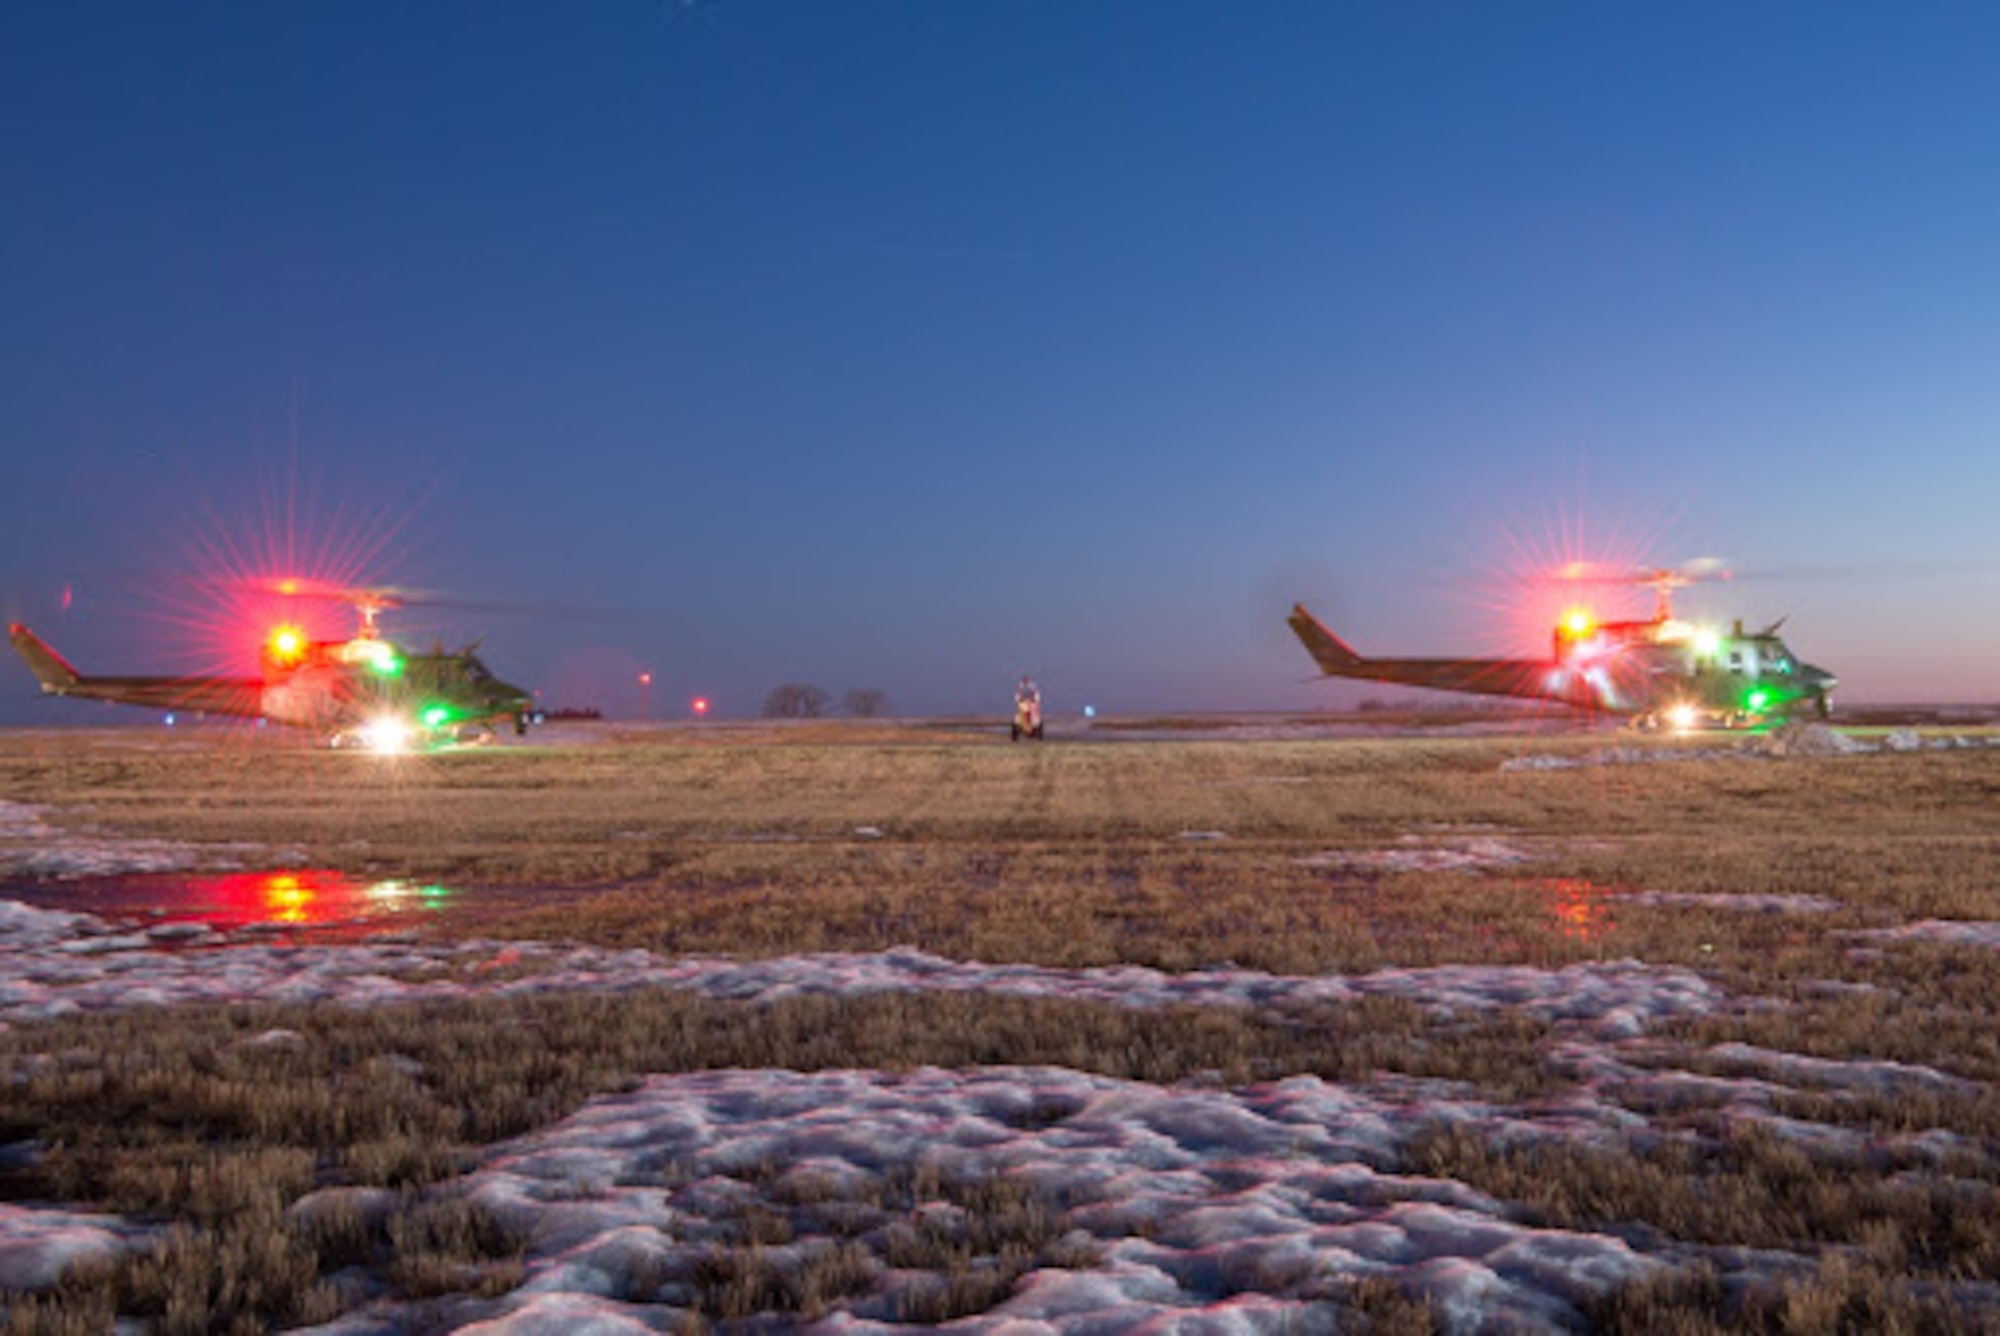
(1292, 856)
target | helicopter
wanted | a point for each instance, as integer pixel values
(1661, 671)
(364, 691)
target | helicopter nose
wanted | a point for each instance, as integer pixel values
(505, 697)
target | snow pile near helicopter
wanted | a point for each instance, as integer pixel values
(1809, 740)
(1793, 741)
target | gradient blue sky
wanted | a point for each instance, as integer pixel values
(912, 345)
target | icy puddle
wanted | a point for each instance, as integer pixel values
(193, 905)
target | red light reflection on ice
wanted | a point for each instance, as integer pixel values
(299, 897)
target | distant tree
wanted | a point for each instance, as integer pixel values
(796, 700)
(864, 702)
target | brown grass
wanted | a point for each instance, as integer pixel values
(177, 1117)
(747, 842)
(1071, 854)
(172, 1116)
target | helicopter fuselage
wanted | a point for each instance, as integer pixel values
(344, 687)
(365, 689)
(1667, 668)
(1658, 671)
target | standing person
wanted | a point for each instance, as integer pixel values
(1027, 709)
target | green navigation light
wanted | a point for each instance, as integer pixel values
(383, 659)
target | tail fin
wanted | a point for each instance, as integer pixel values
(54, 671)
(1333, 655)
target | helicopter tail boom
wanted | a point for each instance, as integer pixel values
(1334, 656)
(208, 695)
(51, 669)
(1528, 678)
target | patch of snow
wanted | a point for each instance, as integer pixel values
(1791, 740)
(38, 1245)
(563, 1314)
(1957, 932)
(179, 932)
(1622, 756)
(24, 927)
(1541, 761)
(53, 963)
(1419, 855)
(1755, 904)
(22, 821)
(1872, 1077)
(1213, 1210)
(1809, 740)
(31, 846)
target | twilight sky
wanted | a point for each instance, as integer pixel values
(915, 345)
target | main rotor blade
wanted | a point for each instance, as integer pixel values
(1696, 569)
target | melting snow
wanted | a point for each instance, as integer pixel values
(53, 963)
(1797, 740)
(1292, 1180)
(1418, 855)
(1955, 932)
(22, 821)
(1755, 904)
(31, 846)
(1211, 1209)
(37, 1245)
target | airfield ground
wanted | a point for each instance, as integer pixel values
(1250, 1024)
